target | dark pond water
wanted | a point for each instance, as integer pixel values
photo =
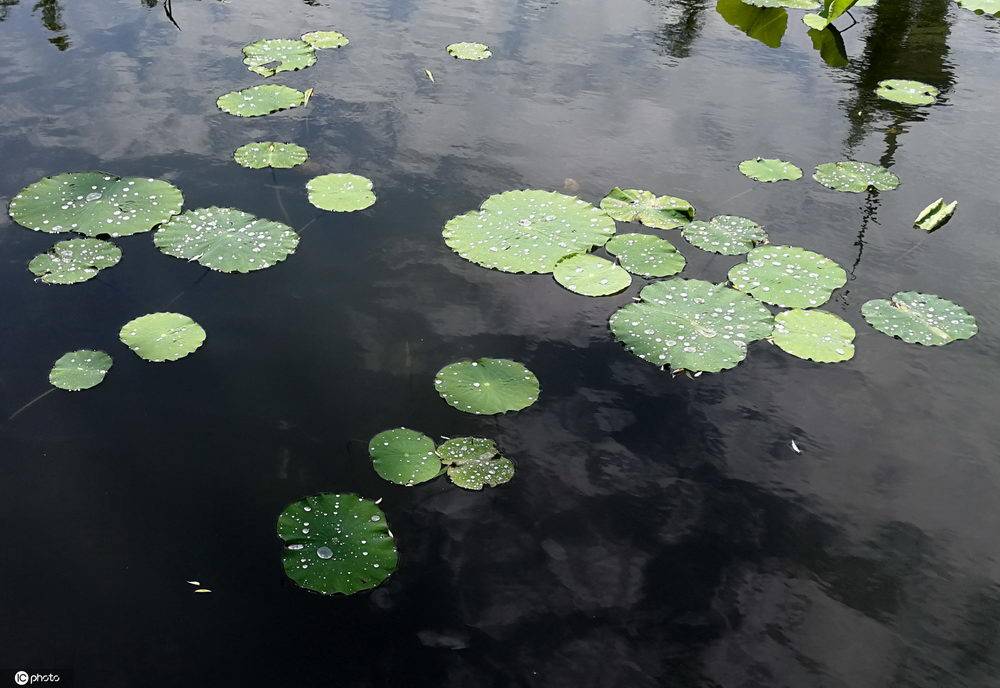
(659, 532)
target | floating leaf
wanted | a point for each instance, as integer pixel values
(764, 24)
(527, 231)
(920, 318)
(286, 54)
(691, 325)
(324, 40)
(487, 386)
(907, 92)
(79, 370)
(74, 261)
(770, 170)
(729, 235)
(814, 335)
(790, 4)
(162, 337)
(336, 543)
(473, 463)
(645, 255)
(404, 456)
(982, 6)
(342, 193)
(263, 154)
(636, 205)
(262, 100)
(226, 239)
(935, 215)
(469, 51)
(590, 275)
(788, 276)
(95, 203)
(855, 177)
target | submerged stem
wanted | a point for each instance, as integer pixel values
(31, 403)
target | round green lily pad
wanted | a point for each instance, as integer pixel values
(404, 456)
(590, 275)
(636, 205)
(285, 54)
(982, 6)
(74, 261)
(342, 193)
(336, 543)
(527, 231)
(487, 386)
(855, 177)
(920, 318)
(646, 255)
(729, 235)
(274, 154)
(79, 370)
(469, 51)
(257, 101)
(691, 325)
(788, 276)
(474, 462)
(770, 170)
(907, 92)
(162, 337)
(226, 239)
(95, 203)
(324, 40)
(814, 335)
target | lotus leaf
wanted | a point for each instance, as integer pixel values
(342, 193)
(770, 170)
(729, 235)
(635, 205)
(95, 203)
(74, 261)
(461, 449)
(814, 335)
(262, 100)
(907, 92)
(788, 276)
(790, 4)
(645, 255)
(527, 231)
(473, 463)
(336, 543)
(404, 456)
(469, 51)
(691, 325)
(487, 386)
(286, 54)
(982, 6)
(79, 370)
(590, 275)
(920, 318)
(263, 154)
(162, 337)
(855, 177)
(832, 10)
(324, 40)
(830, 44)
(226, 239)
(935, 215)
(764, 24)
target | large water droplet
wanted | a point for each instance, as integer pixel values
(324, 553)
(95, 196)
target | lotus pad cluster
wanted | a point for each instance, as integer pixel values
(74, 261)
(336, 543)
(286, 55)
(788, 276)
(407, 457)
(636, 205)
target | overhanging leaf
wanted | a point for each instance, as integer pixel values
(935, 215)
(342, 193)
(74, 261)
(907, 92)
(336, 543)
(814, 335)
(263, 154)
(830, 44)
(764, 24)
(95, 203)
(855, 177)
(80, 370)
(636, 205)
(920, 318)
(729, 235)
(770, 170)
(788, 276)
(691, 325)
(790, 4)
(226, 239)
(469, 51)
(262, 100)
(645, 255)
(404, 456)
(487, 386)
(162, 337)
(590, 275)
(324, 40)
(527, 231)
(285, 54)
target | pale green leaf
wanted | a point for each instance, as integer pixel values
(162, 337)
(79, 370)
(324, 40)
(729, 235)
(262, 100)
(982, 6)
(770, 170)
(855, 177)
(269, 56)
(590, 275)
(920, 318)
(636, 205)
(469, 51)
(907, 92)
(788, 276)
(263, 154)
(645, 255)
(342, 193)
(935, 215)
(814, 335)
(74, 261)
